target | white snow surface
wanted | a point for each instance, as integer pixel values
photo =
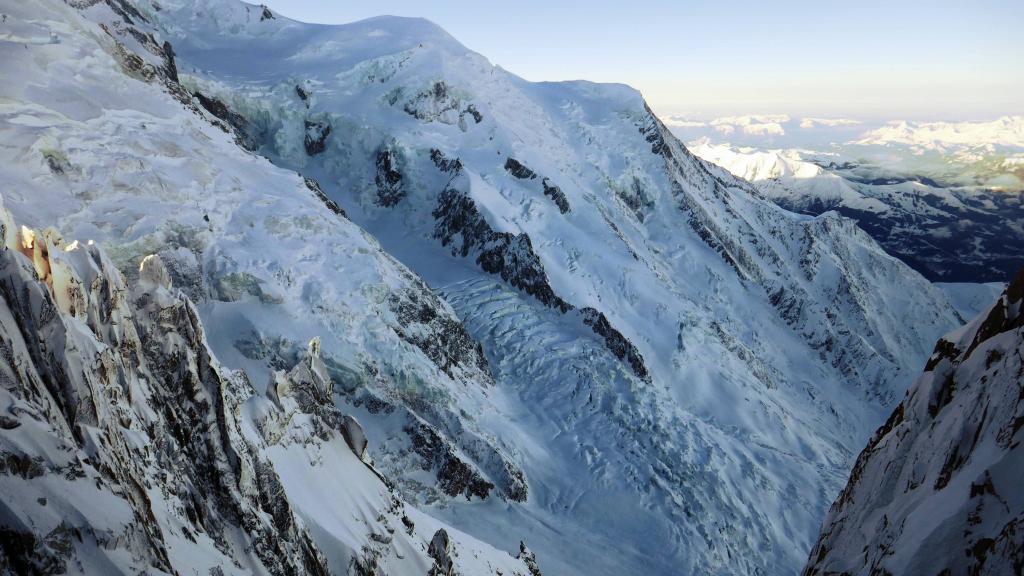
(970, 299)
(953, 218)
(1005, 131)
(128, 448)
(774, 343)
(937, 490)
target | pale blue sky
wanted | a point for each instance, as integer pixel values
(868, 59)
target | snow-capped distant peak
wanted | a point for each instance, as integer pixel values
(1005, 131)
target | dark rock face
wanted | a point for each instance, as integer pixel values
(302, 94)
(171, 66)
(57, 163)
(126, 11)
(179, 414)
(529, 558)
(616, 342)
(266, 14)
(316, 137)
(455, 476)
(652, 131)
(517, 169)
(354, 435)
(390, 185)
(954, 444)
(556, 194)
(445, 164)
(472, 111)
(156, 64)
(635, 197)
(440, 336)
(433, 104)
(233, 119)
(462, 461)
(331, 204)
(440, 550)
(460, 224)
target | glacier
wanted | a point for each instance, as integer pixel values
(553, 323)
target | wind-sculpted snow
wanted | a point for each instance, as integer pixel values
(631, 359)
(937, 490)
(128, 448)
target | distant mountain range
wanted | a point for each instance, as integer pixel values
(951, 208)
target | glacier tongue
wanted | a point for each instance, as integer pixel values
(613, 346)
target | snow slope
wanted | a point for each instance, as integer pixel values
(617, 347)
(128, 448)
(971, 299)
(937, 490)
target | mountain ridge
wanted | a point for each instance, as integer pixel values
(766, 343)
(935, 489)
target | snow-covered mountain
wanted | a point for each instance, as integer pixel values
(553, 322)
(953, 231)
(937, 490)
(1007, 131)
(127, 447)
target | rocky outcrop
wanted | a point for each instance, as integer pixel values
(314, 186)
(520, 171)
(438, 103)
(556, 195)
(390, 185)
(460, 224)
(517, 169)
(615, 341)
(937, 490)
(440, 550)
(422, 323)
(236, 121)
(315, 139)
(447, 165)
(114, 390)
(455, 475)
(461, 461)
(529, 558)
(150, 60)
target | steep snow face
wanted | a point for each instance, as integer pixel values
(664, 356)
(104, 142)
(128, 448)
(947, 231)
(972, 299)
(937, 490)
